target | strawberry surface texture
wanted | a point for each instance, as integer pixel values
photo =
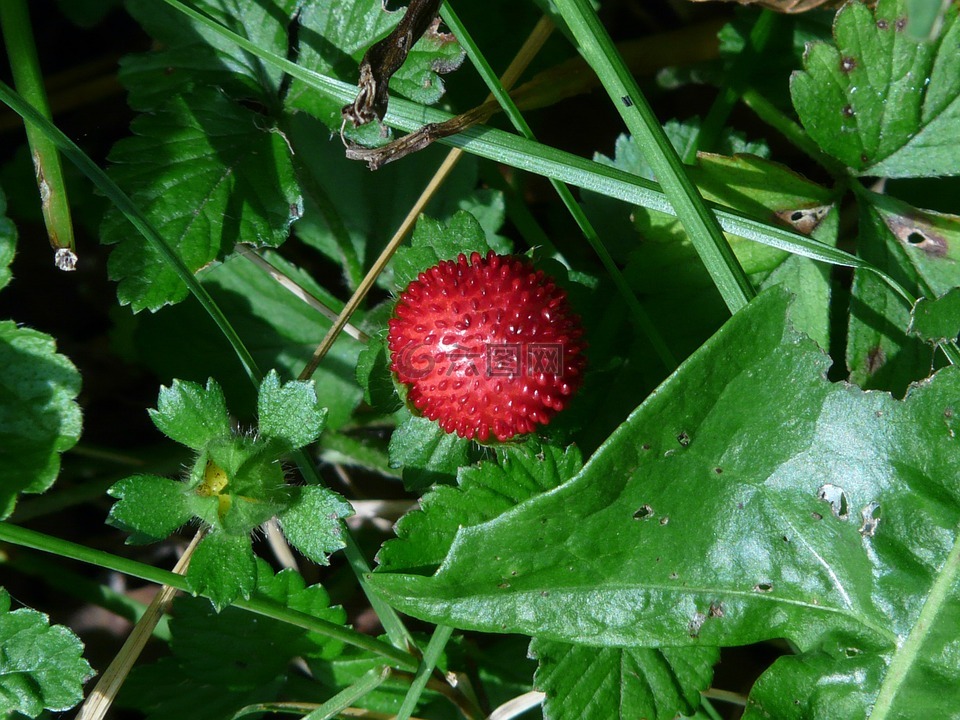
(487, 346)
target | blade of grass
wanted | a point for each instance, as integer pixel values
(697, 219)
(438, 641)
(24, 537)
(126, 206)
(349, 695)
(28, 78)
(639, 315)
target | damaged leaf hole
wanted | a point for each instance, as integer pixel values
(683, 438)
(837, 499)
(763, 587)
(915, 233)
(871, 519)
(644, 513)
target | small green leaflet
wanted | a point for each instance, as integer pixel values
(937, 320)
(41, 665)
(881, 101)
(606, 682)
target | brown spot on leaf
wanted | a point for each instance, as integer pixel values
(848, 111)
(847, 64)
(804, 220)
(915, 233)
(875, 359)
(883, 24)
(900, 24)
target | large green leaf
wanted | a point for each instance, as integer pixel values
(41, 665)
(747, 499)
(628, 680)
(881, 101)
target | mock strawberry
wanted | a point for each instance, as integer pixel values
(488, 347)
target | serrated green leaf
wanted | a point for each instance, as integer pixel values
(591, 682)
(879, 100)
(150, 507)
(768, 503)
(427, 454)
(936, 320)
(289, 414)
(191, 55)
(490, 489)
(333, 39)
(313, 523)
(434, 241)
(286, 328)
(223, 568)
(191, 414)
(39, 416)
(207, 174)
(41, 665)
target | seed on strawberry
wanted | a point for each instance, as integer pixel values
(489, 347)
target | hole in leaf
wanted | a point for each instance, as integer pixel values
(837, 499)
(871, 518)
(644, 513)
(763, 587)
(683, 438)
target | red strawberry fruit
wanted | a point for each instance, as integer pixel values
(488, 347)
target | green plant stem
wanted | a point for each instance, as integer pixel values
(793, 132)
(438, 641)
(639, 315)
(28, 78)
(268, 608)
(126, 206)
(699, 222)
